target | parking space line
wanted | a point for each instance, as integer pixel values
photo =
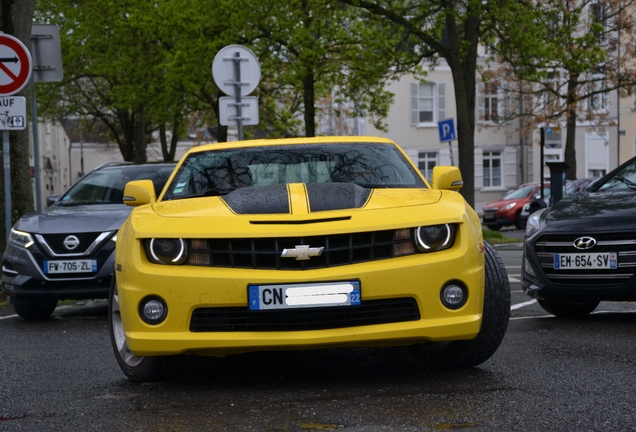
(520, 305)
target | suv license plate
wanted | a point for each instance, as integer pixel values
(600, 260)
(70, 266)
(324, 294)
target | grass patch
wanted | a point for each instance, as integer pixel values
(495, 237)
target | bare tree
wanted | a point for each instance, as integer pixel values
(579, 52)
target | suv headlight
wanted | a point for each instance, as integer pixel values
(535, 223)
(435, 237)
(20, 238)
(508, 206)
(166, 250)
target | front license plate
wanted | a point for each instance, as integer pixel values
(489, 216)
(324, 294)
(601, 260)
(70, 266)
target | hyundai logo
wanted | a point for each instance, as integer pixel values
(71, 242)
(584, 243)
(302, 252)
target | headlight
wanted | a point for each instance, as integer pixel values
(166, 251)
(20, 238)
(535, 222)
(508, 206)
(435, 237)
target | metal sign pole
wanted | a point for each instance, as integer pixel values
(7, 183)
(237, 84)
(36, 147)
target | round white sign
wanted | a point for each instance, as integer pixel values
(224, 70)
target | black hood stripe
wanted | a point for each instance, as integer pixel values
(275, 199)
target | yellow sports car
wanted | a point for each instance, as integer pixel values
(303, 243)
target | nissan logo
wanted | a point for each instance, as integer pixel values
(584, 243)
(71, 242)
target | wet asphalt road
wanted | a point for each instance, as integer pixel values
(548, 375)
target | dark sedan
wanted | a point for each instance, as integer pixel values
(582, 250)
(66, 251)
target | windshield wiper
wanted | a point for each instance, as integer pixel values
(630, 184)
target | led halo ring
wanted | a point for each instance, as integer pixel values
(157, 259)
(418, 238)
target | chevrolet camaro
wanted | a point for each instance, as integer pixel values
(303, 243)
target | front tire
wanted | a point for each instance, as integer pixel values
(35, 310)
(136, 368)
(470, 353)
(566, 308)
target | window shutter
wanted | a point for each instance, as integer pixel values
(412, 154)
(480, 103)
(479, 168)
(441, 101)
(509, 161)
(507, 102)
(414, 103)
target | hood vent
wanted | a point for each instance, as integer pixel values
(275, 199)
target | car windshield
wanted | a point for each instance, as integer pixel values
(623, 179)
(218, 172)
(106, 186)
(522, 192)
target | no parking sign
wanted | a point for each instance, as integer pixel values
(15, 65)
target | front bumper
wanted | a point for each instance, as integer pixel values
(537, 281)
(186, 289)
(24, 281)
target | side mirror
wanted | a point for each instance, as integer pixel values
(447, 177)
(52, 199)
(139, 192)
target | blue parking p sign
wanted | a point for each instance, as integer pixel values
(446, 130)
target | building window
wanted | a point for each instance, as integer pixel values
(552, 93)
(428, 103)
(493, 102)
(598, 20)
(598, 99)
(426, 161)
(492, 168)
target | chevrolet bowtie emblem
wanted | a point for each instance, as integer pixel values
(302, 252)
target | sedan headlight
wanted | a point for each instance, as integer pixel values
(535, 223)
(20, 238)
(435, 237)
(166, 251)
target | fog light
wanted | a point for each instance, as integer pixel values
(528, 268)
(153, 310)
(453, 296)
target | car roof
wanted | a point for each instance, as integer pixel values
(326, 140)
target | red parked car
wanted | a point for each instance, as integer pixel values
(506, 211)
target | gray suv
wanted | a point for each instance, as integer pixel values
(67, 251)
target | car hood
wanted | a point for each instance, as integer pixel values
(74, 219)
(597, 211)
(499, 204)
(382, 208)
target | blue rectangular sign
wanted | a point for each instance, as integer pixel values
(446, 130)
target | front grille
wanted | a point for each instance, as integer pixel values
(235, 319)
(56, 242)
(265, 253)
(624, 244)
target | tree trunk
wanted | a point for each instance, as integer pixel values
(570, 137)
(310, 109)
(463, 68)
(15, 20)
